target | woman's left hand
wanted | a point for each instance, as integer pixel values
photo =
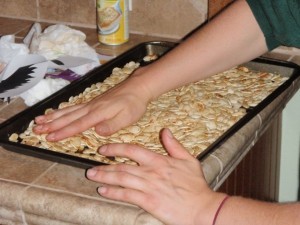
(171, 188)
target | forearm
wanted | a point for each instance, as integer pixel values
(244, 211)
(231, 38)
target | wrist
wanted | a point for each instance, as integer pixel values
(143, 84)
(219, 209)
(210, 210)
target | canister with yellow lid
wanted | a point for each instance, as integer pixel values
(112, 21)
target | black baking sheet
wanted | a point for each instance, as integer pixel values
(20, 122)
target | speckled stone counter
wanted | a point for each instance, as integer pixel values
(218, 165)
(39, 192)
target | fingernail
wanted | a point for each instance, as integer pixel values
(102, 190)
(51, 137)
(41, 128)
(169, 133)
(40, 119)
(103, 149)
(38, 128)
(103, 129)
(91, 172)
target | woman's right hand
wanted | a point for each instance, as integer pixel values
(115, 109)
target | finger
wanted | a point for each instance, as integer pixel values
(77, 121)
(117, 178)
(79, 124)
(172, 146)
(112, 125)
(131, 196)
(121, 117)
(134, 152)
(56, 114)
(60, 120)
(122, 167)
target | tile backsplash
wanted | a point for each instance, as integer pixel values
(171, 18)
(161, 18)
(167, 18)
(215, 6)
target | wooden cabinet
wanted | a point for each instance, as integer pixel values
(257, 176)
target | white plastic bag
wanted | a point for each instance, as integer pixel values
(43, 89)
(9, 49)
(60, 40)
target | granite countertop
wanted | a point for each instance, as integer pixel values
(36, 191)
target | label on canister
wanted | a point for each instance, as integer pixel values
(112, 21)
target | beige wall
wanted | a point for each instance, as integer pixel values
(167, 18)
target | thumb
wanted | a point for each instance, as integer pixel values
(113, 124)
(104, 128)
(172, 146)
